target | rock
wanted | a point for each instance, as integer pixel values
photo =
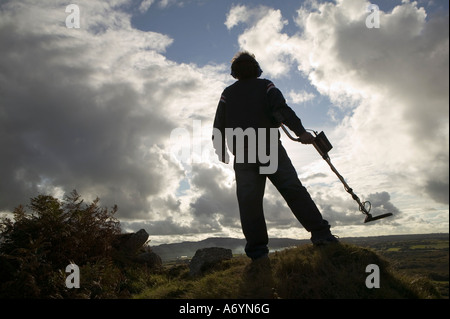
(207, 257)
(131, 248)
(150, 259)
(130, 243)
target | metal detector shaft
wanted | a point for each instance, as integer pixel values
(348, 189)
(323, 146)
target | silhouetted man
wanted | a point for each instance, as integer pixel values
(248, 116)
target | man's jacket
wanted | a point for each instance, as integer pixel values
(255, 104)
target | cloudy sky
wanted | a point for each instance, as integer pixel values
(120, 107)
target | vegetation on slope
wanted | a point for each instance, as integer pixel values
(329, 272)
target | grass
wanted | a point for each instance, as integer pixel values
(304, 272)
(436, 245)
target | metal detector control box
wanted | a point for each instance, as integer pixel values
(322, 145)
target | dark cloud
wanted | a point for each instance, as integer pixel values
(381, 204)
(88, 110)
(216, 203)
(439, 191)
(57, 128)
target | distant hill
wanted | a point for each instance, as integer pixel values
(173, 251)
(169, 252)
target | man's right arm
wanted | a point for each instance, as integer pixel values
(281, 112)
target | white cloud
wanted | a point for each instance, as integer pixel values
(242, 14)
(236, 15)
(394, 80)
(300, 97)
(398, 77)
(263, 37)
(145, 5)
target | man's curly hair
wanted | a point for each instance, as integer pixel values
(245, 66)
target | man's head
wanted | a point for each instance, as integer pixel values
(244, 66)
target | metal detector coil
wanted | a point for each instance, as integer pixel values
(323, 146)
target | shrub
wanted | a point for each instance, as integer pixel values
(38, 244)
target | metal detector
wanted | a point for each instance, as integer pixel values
(323, 146)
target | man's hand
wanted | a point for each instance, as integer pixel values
(306, 138)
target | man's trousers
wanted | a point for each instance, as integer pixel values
(250, 186)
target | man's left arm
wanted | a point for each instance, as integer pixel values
(218, 136)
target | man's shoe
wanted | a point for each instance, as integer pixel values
(330, 239)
